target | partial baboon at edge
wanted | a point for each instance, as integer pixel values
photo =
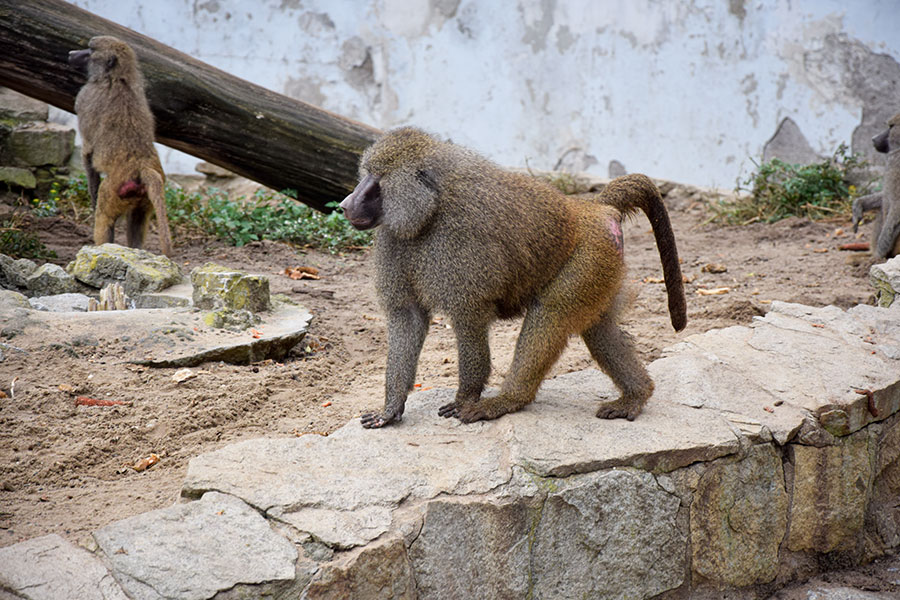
(463, 236)
(117, 132)
(886, 231)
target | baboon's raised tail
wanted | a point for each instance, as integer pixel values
(636, 191)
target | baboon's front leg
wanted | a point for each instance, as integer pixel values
(407, 327)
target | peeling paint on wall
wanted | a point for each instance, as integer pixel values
(689, 90)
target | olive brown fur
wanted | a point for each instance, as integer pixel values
(460, 235)
(886, 231)
(117, 131)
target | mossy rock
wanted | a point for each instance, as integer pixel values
(215, 287)
(137, 270)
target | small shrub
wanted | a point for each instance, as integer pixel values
(17, 243)
(265, 216)
(778, 190)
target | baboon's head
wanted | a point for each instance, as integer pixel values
(398, 183)
(889, 140)
(106, 56)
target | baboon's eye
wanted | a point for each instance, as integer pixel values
(111, 61)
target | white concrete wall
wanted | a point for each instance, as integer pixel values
(688, 90)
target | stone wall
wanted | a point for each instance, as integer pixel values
(33, 152)
(768, 454)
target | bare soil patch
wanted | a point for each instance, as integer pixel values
(66, 469)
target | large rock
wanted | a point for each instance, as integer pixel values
(11, 299)
(60, 303)
(137, 270)
(196, 550)
(17, 177)
(885, 278)
(606, 535)
(19, 107)
(379, 571)
(37, 144)
(50, 279)
(50, 568)
(489, 544)
(831, 487)
(218, 287)
(738, 519)
(16, 271)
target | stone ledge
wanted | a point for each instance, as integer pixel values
(756, 460)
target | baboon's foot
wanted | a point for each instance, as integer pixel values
(487, 409)
(378, 420)
(623, 408)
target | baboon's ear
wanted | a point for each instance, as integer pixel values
(427, 178)
(111, 62)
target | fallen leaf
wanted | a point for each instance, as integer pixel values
(302, 272)
(256, 334)
(768, 409)
(326, 404)
(146, 463)
(713, 291)
(714, 268)
(819, 325)
(86, 401)
(820, 250)
(838, 232)
(182, 375)
(653, 280)
(65, 387)
(689, 278)
(855, 246)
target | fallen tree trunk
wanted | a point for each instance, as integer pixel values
(275, 140)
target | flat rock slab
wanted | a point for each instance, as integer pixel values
(550, 501)
(166, 337)
(50, 568)
(195, 550)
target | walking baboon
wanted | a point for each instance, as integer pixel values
(886, 238)
(461, 235)
(117, 133)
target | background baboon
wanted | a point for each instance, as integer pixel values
(461, 235)
(886, 238)
(117, 132)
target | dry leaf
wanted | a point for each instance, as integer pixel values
(146, 463)
(302, 272)
(714, 268)
(326, 404)
(820, 250)
(855, 246)
(713, 291)
(653, 280)
(182, 375)
(65, 387)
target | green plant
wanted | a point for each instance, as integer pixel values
(69, 199)
(17, 243)
(778, 190)
(266, 216)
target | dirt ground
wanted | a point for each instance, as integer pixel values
(66, 469)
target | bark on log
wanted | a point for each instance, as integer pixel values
(275, 140)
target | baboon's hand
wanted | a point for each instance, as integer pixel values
(378, 420)
(857, 213)
(449, 410)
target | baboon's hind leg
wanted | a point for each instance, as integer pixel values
(614, 351)
(105, 214)
(138, 222)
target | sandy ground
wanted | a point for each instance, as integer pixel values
(66, 469)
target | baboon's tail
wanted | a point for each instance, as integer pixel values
(154, 182)
(632, 192)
